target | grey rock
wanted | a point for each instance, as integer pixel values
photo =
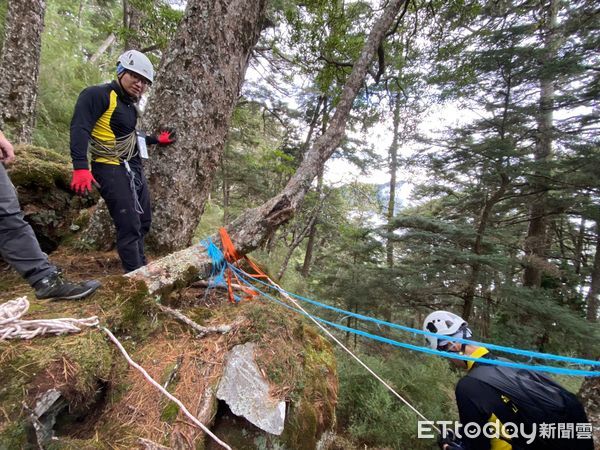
(246, 392)
(43, 416)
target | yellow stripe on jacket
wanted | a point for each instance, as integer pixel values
(104, 133)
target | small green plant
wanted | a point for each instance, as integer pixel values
(374, 417)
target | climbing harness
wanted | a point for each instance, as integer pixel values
(12, 327)
(134, 184)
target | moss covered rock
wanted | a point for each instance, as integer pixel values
(41, 177)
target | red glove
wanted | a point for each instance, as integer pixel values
(82, 181)
(166, 136)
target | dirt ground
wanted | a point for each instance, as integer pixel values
(77, 265)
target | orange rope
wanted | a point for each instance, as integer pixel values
(232, 256)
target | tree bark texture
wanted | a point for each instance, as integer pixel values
(111, 38)
(589, 393)
(253, 227)
(196, 89)
(535, 242)
(20, 67)
(312, 234)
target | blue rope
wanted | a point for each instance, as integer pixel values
(501, 348)
(218, 267)
(218, 263)
(496, 362)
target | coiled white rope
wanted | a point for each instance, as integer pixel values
(12, 327)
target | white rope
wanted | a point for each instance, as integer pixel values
(381, 380)
(163, 390)
(12, 327)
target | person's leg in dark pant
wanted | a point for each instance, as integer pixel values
(18, 245)
(20, 248)
(146, 216)
(115, 189)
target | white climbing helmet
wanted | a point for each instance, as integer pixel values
(446, 323)
(137, 62)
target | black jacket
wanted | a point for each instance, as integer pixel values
(107, 113)
(524, 398)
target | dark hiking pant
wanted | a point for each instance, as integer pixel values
(131, 213)
(18, 245)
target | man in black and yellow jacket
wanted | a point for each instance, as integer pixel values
(105, 122)
(520, 409)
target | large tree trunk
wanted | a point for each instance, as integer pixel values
(253, 227)
(535, 243)
(312, 233)
(589, 393)
(196, 90)
(20, 67)
(110, 40)
(488, 205)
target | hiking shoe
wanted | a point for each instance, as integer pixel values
(54, 286)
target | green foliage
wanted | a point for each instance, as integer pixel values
(466, 231)
(73, 32)
(374, 416)
(67, 42)
(158, 24)
(3, 7)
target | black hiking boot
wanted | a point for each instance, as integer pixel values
(55, 287)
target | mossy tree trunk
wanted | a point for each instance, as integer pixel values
(20, 67)
(42, 177)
